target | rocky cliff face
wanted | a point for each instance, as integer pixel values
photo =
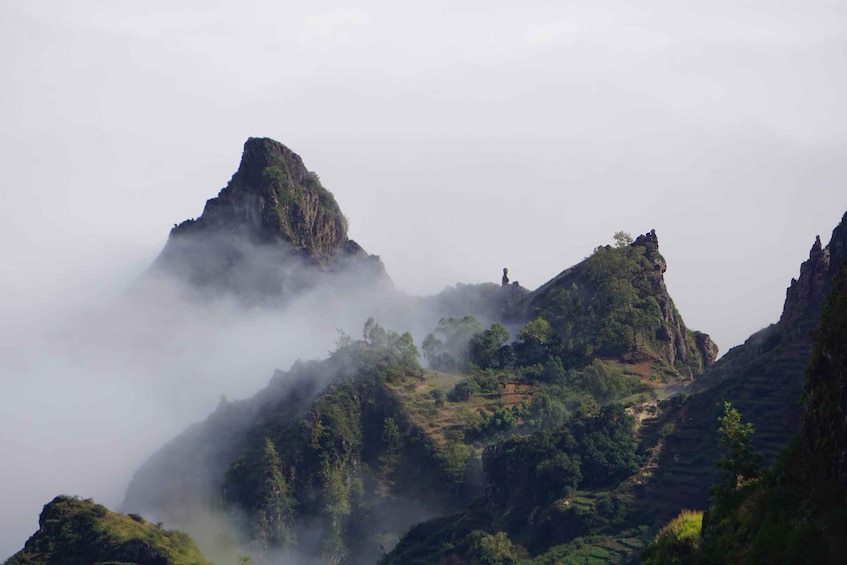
(272, 231)
(807, 293)
(692, 349)
(825, 424)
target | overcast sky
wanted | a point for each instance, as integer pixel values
(458, 138)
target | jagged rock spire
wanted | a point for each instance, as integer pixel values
(807, 293)
(272, 230)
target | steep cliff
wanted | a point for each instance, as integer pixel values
(796, 511)
(763, 379)
(825, 423)
(807, 293)
(272, 231)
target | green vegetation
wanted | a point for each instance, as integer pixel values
(569, 444)
(535, 497)
(523, 446)
(678, 542)
(73, 531)
(613, 305)
(796, 511)
(446, 349)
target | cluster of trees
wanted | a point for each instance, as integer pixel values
(402, 345)
(610, 308)
(590, 452)
(531, 486)
(319, 459)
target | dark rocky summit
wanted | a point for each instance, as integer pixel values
(807, 293)
(273, 231)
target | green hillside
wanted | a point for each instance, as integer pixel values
(73, 531)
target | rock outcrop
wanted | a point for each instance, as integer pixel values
(807, 293)
(273, 231)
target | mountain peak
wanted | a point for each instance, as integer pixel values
(649, 239)
(273, 218)
(272, 196)
(807, 293)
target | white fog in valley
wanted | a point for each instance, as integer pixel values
(457, 137)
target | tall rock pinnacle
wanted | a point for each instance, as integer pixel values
(274, 229)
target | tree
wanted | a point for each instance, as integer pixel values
(742, 463)
(463, 391)
(404, 346)
(374, 334)
(485, 349)
(547, 412)
(622, 239)
(534, 342)
(488, 549)
(432, 349)
(274, 512)
(452, 352)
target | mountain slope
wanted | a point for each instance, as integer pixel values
(796, 511)
(763, 379)
(676, 444)
(335, 459)
(74, 531)
(615, 304)
(367, 434)
(326, 461)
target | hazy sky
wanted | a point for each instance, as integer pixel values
(458, 138)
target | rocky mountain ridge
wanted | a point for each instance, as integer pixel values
(763, 378)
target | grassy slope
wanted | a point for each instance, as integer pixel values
(74, 531)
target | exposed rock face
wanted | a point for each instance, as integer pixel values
(708, 349)
(676, 337)
(807, 293)
(272, 231)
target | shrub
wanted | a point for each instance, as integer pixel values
(677, 542)
(463, 391)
